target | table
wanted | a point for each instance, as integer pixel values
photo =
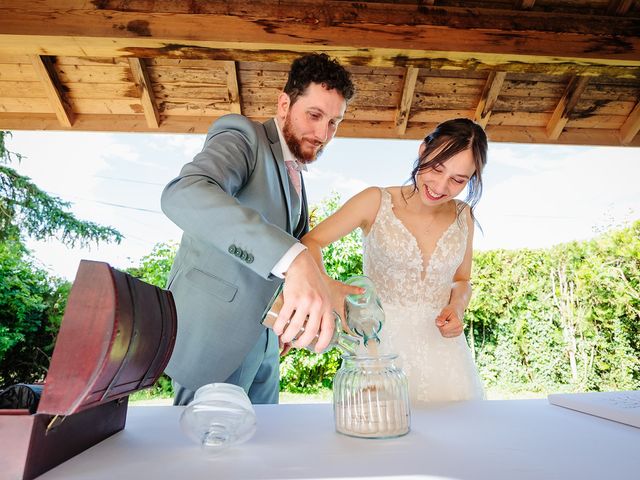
(514, 439)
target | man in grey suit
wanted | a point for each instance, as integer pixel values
(242, 206)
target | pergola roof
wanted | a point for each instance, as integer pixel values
(546, 71)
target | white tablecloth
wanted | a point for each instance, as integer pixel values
(517, 439)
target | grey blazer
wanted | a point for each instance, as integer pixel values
(233, 203)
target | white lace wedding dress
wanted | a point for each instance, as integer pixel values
(438, 368)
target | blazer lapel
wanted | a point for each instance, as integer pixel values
(303, 223)
(276, 150)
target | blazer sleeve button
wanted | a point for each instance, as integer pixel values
(249, 258)
(232, 249)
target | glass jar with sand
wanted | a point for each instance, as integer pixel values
(370, 397)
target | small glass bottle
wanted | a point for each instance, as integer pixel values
(364, 312)
(348, 344)
(371, 398)
(219, 416)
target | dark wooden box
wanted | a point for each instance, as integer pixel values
(116, 337)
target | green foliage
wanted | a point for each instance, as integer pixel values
(32, 302)
(27, 210)
(161, 389)
(343, 258)
(563, 318)
(155, 267)
(31, 308)
(302, 371)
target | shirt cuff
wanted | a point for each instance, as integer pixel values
(280, 268)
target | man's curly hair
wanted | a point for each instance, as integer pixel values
(318, 68)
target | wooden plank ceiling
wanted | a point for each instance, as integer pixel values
(531, 71)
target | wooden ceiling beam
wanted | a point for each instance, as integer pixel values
(355, 129)
(488, 97)
(525, 4)
(11, 45)
(233, 89)
(495, 133)
(331, 23)
(631, 126)
(141, 77)
(565, 106)
(60, 104)
(404, 109)
(619, 7)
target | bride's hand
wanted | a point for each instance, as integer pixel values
(338, 292)
(449, 322)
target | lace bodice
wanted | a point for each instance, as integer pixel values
(413, 291)
(393, 260)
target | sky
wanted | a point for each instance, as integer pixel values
(534, 195)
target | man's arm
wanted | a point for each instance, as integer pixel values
(201, 200)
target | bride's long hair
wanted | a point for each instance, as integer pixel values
(448, 139)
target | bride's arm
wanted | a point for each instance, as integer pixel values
(358, 212)
(450, 322)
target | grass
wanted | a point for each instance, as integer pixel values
(149, 397)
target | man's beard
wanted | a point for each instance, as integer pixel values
(295, 146)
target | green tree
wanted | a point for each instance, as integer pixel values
(155, 267)
(27, 210)
(564, 318)
(31, 308)
(31, 300)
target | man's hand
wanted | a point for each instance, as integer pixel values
(449, 322)
(306, 312)
(284, 347)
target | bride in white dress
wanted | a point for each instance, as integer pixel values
(418, 252)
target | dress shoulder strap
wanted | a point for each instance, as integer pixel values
(462, 214)
(386, 202)
(384, 208)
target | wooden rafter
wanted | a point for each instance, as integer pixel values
(631, 126)
(60, 104)
(488, 97)
(169, 27)
(206, 60)
(565, 106)
(135, 123)
(619, 7)
(141, 77)
(15, 45)
(232, 87)
(525, 4)
(402, 115)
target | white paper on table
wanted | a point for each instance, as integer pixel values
(623, 407)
